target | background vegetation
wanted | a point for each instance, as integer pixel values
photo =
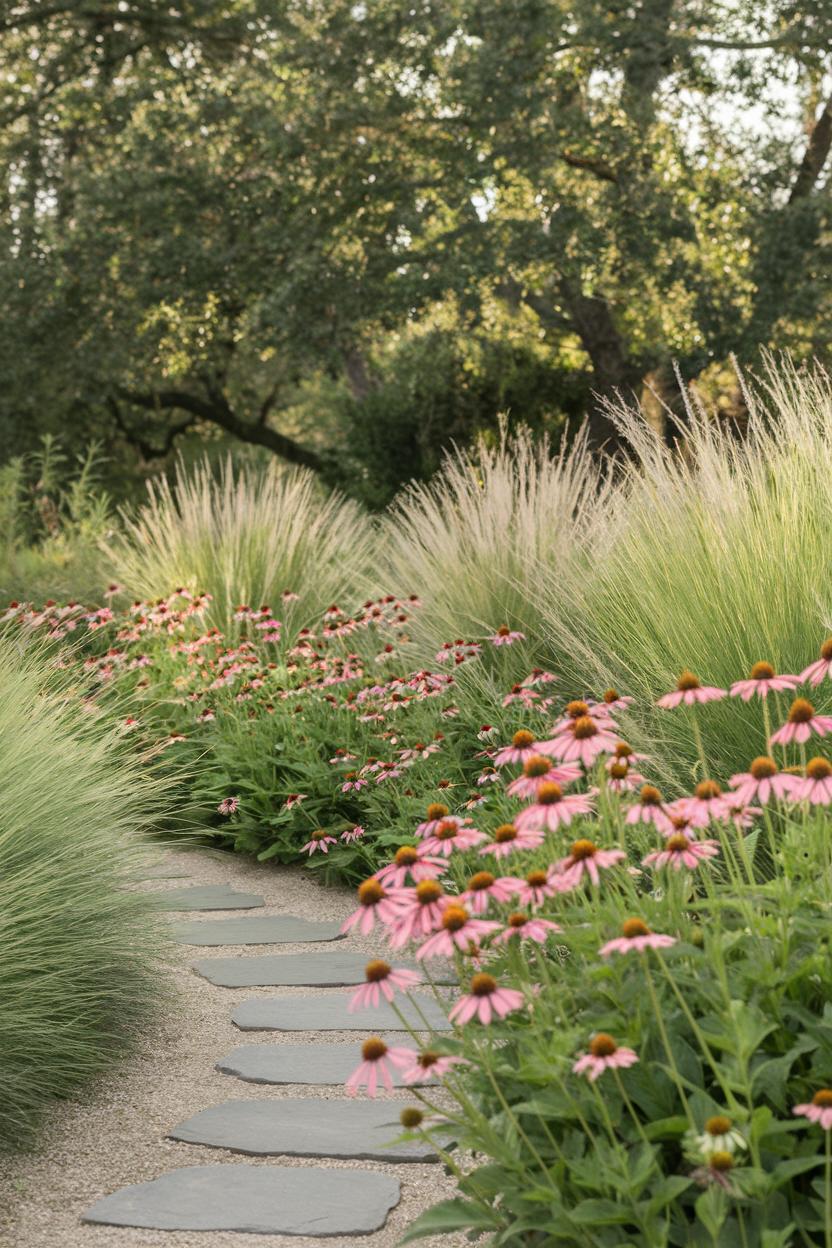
(347, 234)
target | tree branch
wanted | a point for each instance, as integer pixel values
(217, 411)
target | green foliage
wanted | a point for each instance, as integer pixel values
(277, 197)
(76, 976)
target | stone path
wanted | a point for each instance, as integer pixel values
(131, 1168)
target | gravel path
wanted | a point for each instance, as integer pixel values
(116, 1135)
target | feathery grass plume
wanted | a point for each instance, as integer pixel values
(244, 536)
(472, 541)
(78, 947)
(714, 557)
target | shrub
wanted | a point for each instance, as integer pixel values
(245, 537)
(642, 1043)
(76, 973)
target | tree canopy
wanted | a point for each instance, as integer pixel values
(347, 232)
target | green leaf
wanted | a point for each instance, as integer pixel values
(450, 1215)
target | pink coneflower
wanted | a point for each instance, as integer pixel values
(650, 808)
(526, 927)
(228, 805)
(587, 859)
(742, 816)
(375, 1056)
(537, 886)
(707, 803)
(458, 930)
(485, 1001)
(429, 1065)
(604, 1054)
(508, 838)
(505, 636)
(818, 1110)
(374, 903)
(815, 672)
(436, 814)
(349, 835)
(613, 701)
(418, 912)
(293, 799)
(488, 775)
(410, 861)
(624, 753)
(803, 720)
(319, 840)
(635, 938)
(353, 782)
(816, 788)
(522, 746)
(583, 740)
(552, 809)
(761, 682)
(681, 851)
(452, 834)
(483, 887)
(690, 690)
(762, 781)
(579, 709)
(382, 980)
(537, 770)
(621, 778)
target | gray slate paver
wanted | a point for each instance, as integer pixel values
(362, 1130)
(266, 1200)
(315, 1064)
(328, 1012)
(208, 897)
(294, 970)
(260, 930)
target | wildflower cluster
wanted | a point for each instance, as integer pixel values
(641, 1005)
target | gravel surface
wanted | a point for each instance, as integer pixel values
(115, 1136)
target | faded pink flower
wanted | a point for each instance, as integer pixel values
(508, 838)
(374, 903)
(483, 888)
(818, 1110)
(582, 740)
(681, 851)
(527, 927)
(523, 746)
(762, 781)
(816, 788)
(690, 690)
(505, 636)
(411, 861)
(650, 808)
(485, 1001)
(707, 803)
(376, 1060)
(762, 681)
(537, 770)
(418, 912)
(228, 805)
(452, 834)
(803, 720)
(429, 1065)
(553, 808)
(382, 980)
(635, 938)
(604, 1054)
(587, 859)
(822, 667)
(319, 840)
(458, 930)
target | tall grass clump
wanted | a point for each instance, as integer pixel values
(77, 966)
(711, 556)
(472, 541)
(244, 535)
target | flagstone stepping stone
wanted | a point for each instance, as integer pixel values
(208, 897)
(362, 1130)
(329, 1013)
(165, 873)
(316, 1064)
(263, 1200)
(289, 970)
(262, 930)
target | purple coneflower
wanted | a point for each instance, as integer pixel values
(382, 980)
(635, 938)
(604, 1054)
(690, 690)
(376, 1059)
(485, 1001)
(803, 720)
(762, 681)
